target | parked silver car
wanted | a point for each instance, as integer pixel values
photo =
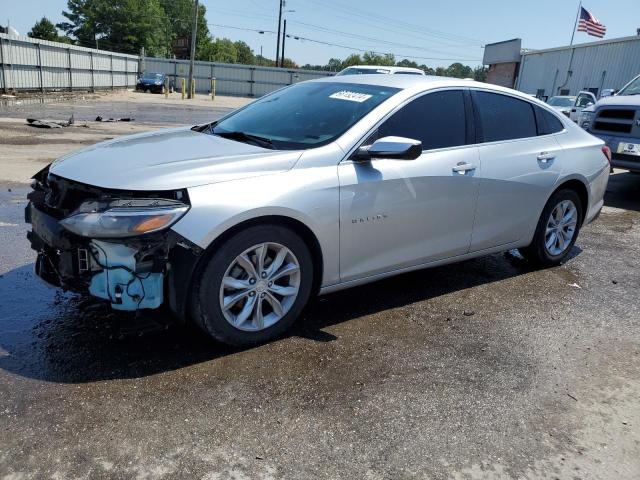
(317, 187)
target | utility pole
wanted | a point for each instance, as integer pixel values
(284, 37)
(192, 57)
(279, 23)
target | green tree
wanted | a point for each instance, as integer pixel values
(44, 30)
(222, 50)
(458, 70)
(265, 62)
(245, 54)
(120, 25)
(83, 23)
(180, 13)
(407, 63)
(288, 63)
(372, 58)
(480, 73)
(334, 64)
(353, 59)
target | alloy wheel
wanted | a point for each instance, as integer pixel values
(260, 286)
(561, 227)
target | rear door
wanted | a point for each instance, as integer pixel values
(521, 161)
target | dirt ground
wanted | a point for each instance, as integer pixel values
(24, 150)
(486, 369)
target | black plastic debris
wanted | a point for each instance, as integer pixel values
(125, 119)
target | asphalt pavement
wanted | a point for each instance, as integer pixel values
(484, 369)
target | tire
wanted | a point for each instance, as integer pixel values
(538, 252)
(208, 295)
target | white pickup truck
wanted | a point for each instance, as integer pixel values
(585, 100)
(616, 120)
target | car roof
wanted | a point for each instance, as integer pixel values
(404, 81)
(422, 83)
(563, 96)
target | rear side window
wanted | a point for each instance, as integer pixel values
(436, 119)
(504, 118)
(547, 122)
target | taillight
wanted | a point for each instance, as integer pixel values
(607, 153)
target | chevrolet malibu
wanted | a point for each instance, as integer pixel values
(314, 188)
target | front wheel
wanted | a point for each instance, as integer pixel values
(254, 286)
(557, 230)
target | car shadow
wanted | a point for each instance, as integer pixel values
(57, 337)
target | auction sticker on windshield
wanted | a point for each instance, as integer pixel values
(351, 96)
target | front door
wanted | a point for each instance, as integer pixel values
(400, 213)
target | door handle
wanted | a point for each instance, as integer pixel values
(462, 168)
(545, 157)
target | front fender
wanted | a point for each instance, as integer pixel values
(309, 196)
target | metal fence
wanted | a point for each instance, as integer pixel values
(28, 64)
(231, 79)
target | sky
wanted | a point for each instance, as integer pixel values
(432, 32)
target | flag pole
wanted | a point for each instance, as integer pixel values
(575, 26)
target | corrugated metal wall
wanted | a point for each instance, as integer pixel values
(231, 79)
(29, 64)
(597, 65)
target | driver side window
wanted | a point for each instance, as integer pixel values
(436, 119)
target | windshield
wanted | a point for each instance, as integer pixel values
(362, 71)
(151, 76)
(632, 89)
(562, 101)
(305, 115)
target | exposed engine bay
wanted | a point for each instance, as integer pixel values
(115, 245)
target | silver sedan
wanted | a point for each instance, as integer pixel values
(314, 188)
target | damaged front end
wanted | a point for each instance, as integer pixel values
(114, 244)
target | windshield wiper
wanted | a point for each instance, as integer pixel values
(247, 137)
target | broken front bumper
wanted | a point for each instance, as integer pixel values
(110, 271)
(139, 272)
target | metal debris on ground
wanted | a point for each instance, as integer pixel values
(34, 122)
(125, 119)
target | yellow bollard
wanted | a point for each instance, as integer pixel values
(183, 87)
(213, 88)
(166, 87)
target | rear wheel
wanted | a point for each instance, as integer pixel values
(557, 229)
(254, 286)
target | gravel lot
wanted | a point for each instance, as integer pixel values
(482, 370)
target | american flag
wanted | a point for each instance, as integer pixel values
(590, 24)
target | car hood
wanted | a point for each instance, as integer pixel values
(168, 160)
(619, 100)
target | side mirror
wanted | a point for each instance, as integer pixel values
(608, 92)
(396, 148)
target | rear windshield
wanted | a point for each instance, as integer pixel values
(151, 76)
(562, 101)
(305, 115)
(362, 71)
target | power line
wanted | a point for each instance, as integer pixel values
(321, 42)
(420, 29)
(241, 28)
(363, 37)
